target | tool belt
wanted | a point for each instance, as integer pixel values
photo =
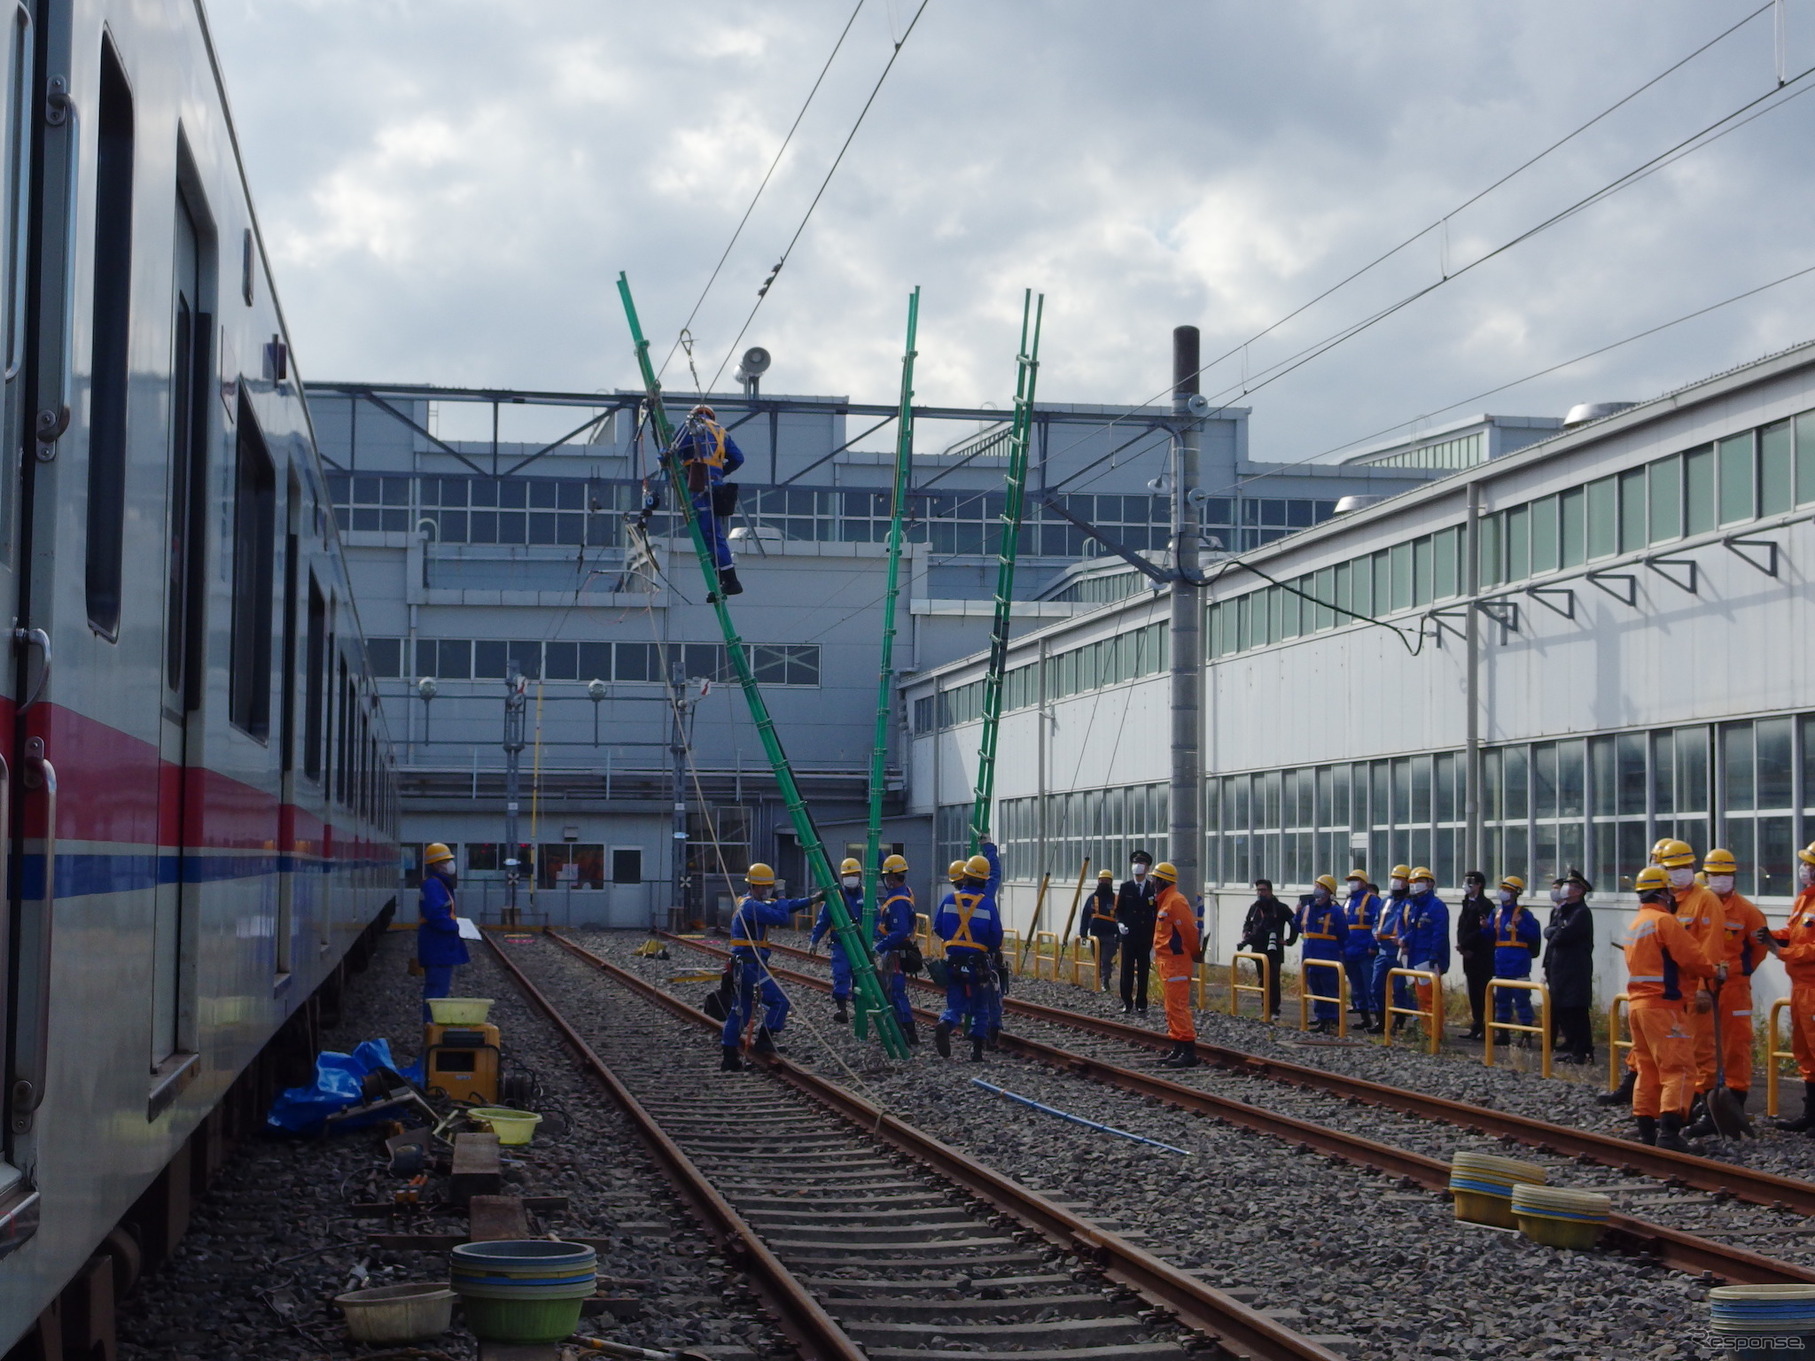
(724, 500)
(912, 961)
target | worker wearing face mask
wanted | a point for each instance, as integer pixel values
(1516, 935)
(1741, 952)
(1622, 1095)
(1100, 926)
(1362, 912)
(1387, 935)
(1704, 917)
(1323, 928)
(1135, 908)
(1569, 966)
(1475, 943)
(1795, 947)
(850, 883)
(1663, 962)
(1424, 937)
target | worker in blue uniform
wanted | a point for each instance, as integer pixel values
(894, 934)
(1517, 938)
(750, 924)
(1362, 913)
(1386, 937)
(1424, 936)
(707, 455)
(850, 882)
(1323, 929)
(970, 924)
(439, 949)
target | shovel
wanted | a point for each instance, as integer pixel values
(1728, 1116)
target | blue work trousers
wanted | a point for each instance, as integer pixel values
(1384, 964)
(1107, 941)
(437, 981)
(841, 974)
(712, 529)
(1507, 1001)
(752, 978)
(1360, 969)
(898, 994)
(1318, 977)
(967, 996)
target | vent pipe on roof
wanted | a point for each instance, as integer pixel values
(1349, 503)
(1583, 412)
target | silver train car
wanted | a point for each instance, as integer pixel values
(197, 807)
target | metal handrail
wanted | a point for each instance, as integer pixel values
(1615, 1045)
(1773, 1056)
(1263, 966)
(1541, 1031)
(1306, 996)
(1433, 1018)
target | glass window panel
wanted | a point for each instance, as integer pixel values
(1544, 853)
(1772, 737)
(1692, 772)
(527, 655)
(1603, 512)
(1776, 857)
(1382, 798)
(1805, 458)
(1571, 779)
(1776, 477)
(1606, 867)
(561, 661)
(1290, 604)
(1491, 555)
(427, 657)
(1400, 589)
(1418, 847)
(386, 655)
(1402, 791)
(1663, 777)
(1544, 780)
(489, 659)
(1633, 853)
(1515, 782)
(1423, 565)
(1270, 800)
(640, 662)
(1571, 846)
(1544, 534)
(1603, 783)
(1633, 518)
(1665, 493)
(1518, 543)
(594, 663)
(454, 659)
(1631, 749)
(1421, 789)
(1572, 512)
(1738, 469)
(1445, 863)
(1490, 786)
(1443, 580)
(1736, 767)
(1738, 838)
(1698, 490)
(1449, 770)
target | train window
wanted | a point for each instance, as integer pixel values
(316, 679)
(254, 553)
(111, 332)
(186, 587)
(287, 664)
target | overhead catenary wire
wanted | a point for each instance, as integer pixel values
(807, 216)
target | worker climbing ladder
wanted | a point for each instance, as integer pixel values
(1020, 437)
(885, 686)
(871, 1001)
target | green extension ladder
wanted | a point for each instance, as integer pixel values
(872, 1003)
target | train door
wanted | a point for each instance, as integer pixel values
(185, 635)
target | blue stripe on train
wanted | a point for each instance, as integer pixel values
(80, 874)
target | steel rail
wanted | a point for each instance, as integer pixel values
(1675, 1248)
(801, 1316)
(1686, 1169)
(1238, 1329)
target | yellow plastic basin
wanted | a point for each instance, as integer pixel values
(459, 1010)
(511, 1127)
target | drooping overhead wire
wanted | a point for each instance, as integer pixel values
(768, 174)
(807, 216)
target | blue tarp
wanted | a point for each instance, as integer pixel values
(337, 1085)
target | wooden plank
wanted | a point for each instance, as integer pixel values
(493, 1219)
(476, 1168)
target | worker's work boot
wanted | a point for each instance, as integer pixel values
(976, 1049)
(1701, 1123)
(995, 1037)
(1183, 1055)
(728, 583)
(1621, 1095)
(730, 1063)
(1670, 1133)
(942, 1039)
(1647, 1128)
(765, 1042)
(909, 1033)
(1366, 1023)
(1804, 1124)
(840, 1015)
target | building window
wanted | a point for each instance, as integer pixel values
(626, 865)
(571, 864)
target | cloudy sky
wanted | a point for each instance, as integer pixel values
(450, 188)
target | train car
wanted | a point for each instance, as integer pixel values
(196, 792)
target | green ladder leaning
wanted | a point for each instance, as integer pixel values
(872, 1004)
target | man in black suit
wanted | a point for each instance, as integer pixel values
(1134, 915)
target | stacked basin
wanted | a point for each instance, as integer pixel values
(1482, 1184)
(523, 1290)
(1559, 1217)
(1754, 1320)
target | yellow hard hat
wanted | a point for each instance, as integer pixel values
(977, 867)
(1327, 881)
(1401, 872)
(1105, 874)
(1514, 882)
(1807, 854)
(703, 410)
(435, 852)
(955, 871)
(1657, 847)
(760, 875)
(1360, 874)
(1720, 861)
(1650, 879)
(1165, 870)
(1673, 854)
(894, 864)
(851, 865)
(1421, 873)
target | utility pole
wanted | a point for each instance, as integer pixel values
(515, 704)
(1187, 613)
(677, 751)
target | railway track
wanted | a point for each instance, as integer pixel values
(1694, 1253)
(921, 1251)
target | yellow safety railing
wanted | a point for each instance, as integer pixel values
(1262, 967)
(1306, 996)
(1081, 954)
(1615, 1045)
(1201, 983)
(931, 946)
(1433, 1018)
(1541, 1030)
(1011, 950)
(1774, 1056)
(1046, 951)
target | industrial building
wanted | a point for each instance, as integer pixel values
(476, 545)
(1543, 659)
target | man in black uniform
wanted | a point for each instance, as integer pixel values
(1269, 929)
(1134, 915)
(1475, 943)
(1100, 925)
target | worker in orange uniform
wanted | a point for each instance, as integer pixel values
(1661, 957)
(1177, 947)
(1795, 946)
(1704, 917)
(1741, 953)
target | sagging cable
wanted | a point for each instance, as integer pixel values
(1077, 1119)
